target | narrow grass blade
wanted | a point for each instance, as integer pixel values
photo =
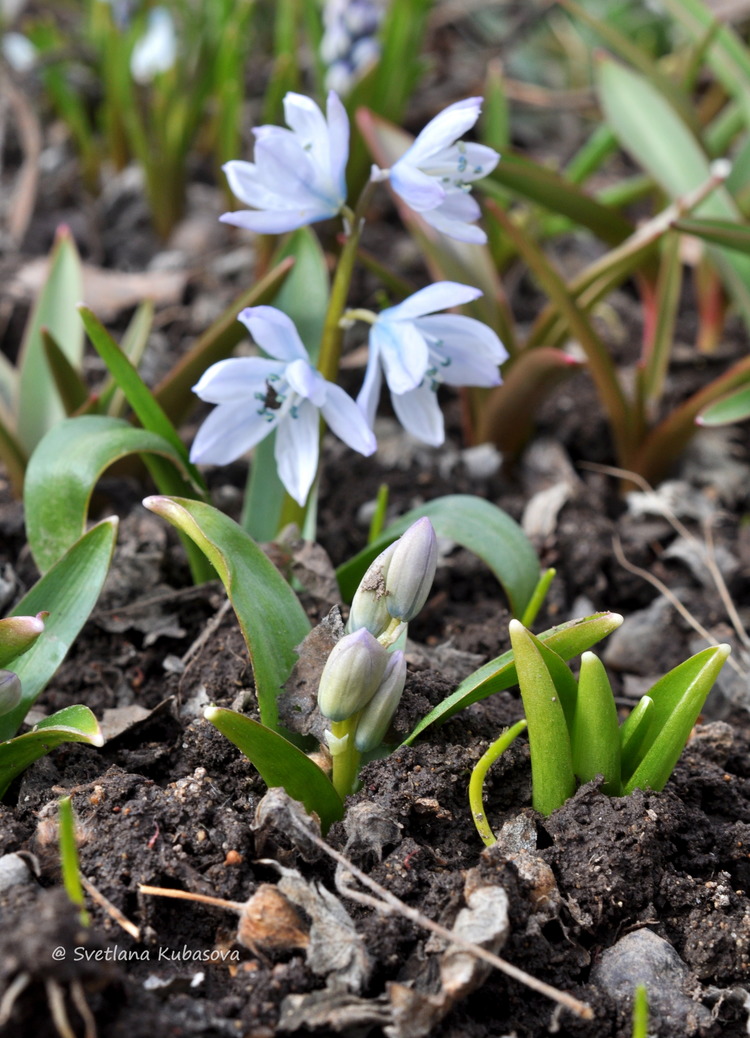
(280, 763)
(69, 857)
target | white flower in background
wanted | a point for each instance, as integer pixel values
(156, 51)
(417, 349)
(257, 395)
(435, 175)
(18, 51)
(298, 176)
(349, 45)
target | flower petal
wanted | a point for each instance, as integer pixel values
(420, 414)
(459, 230)
(229, 432)
(420, 191)
(403, 353)
(236, 379)
(306, 382)
(277, 222)
(439, 296)
(296, 450)
(369, 395)
(274, 332)
(347, 421)
(458, 332)
(444, 129)
(338, 146)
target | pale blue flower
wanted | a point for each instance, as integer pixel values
(417, 350)
(350, 46)
(156, 51)
(257, 395)
(434, 176)
(298, 176)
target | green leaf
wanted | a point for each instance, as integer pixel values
(271, 618)
(632, 734)
(595, 733)
(69, 862)
(133, 345)
(71, 388)
(38, 404)
(280, 763)
(474, 524)
(65, 468)
(139, 396)
(728, 233)
(567, 640)
(552, 777)
(68, 593)
(732, 408)
(667, 149)
(73, 724)
(678, 698)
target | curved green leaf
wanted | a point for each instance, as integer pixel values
(73, 724)
(68, 593)
(567, 640)
(280, 763)
(732, 408)
(474, 524)
(67, 464)
(270, 615)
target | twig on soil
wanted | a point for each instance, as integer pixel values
(56, 1002)
(112, 911)
(709, 557)
(12, 993)
(386, 903)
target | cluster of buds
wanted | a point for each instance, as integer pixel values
(349, 45)
(364, 676)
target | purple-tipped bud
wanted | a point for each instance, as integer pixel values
(369, 605)
(351, 676)
(377, 715)
(17, 634)
(412, 570)
(10, 691)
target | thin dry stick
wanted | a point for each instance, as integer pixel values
(186, 895)
(110, 909)
(721, 587)
(56, 1003)
(390, 903)
(13, 992)
(79, 1001)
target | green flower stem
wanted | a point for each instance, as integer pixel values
(538, 597)
(347, 758)
(391, 633)
(478, 775)
(333, 333)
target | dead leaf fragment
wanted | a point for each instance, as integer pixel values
(270, 922)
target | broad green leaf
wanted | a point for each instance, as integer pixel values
(271, 618)
(68, 593)
(666, 148)
(474, 524)
(139, 396)
(73, 724)
(13, 455)
(732, 408)
(595, 733)
(552, 777)
(65, 468)
(17, 635)
(280, 763)
(38, 405)
(678, 698)
(632, 734)
(567, 640)
(71, 388)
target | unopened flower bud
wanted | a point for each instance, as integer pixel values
(377, 715)
(411, 570)
(369, 605)
(10, 691)
(18, 634)
(351, 675)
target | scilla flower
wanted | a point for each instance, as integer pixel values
(156, 51)
(417, 350)
(298, 176)
(435, 175)
(257, 395)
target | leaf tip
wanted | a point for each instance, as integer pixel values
(211, 713)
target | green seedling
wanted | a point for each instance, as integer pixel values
(71, 871)
(33, 644)
(574, 734)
